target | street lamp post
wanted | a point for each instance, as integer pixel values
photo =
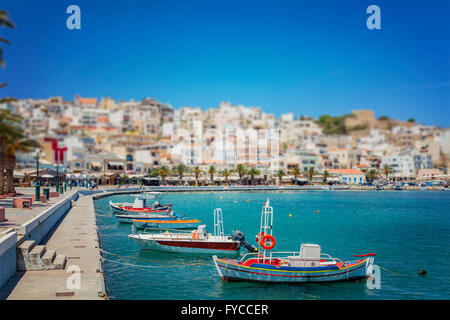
(65, 178)
(38, 186)
(57, 177)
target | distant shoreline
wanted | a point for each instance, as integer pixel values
(101, 193)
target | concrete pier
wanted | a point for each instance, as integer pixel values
(76, 238)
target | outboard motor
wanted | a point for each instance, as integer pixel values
(240, 236)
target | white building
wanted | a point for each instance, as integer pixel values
(402, 165)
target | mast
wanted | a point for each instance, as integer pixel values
(266, 227)
(218, 222)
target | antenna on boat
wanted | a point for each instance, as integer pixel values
(218, 222)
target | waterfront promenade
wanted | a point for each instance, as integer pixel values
(17, 217)
(74, 236)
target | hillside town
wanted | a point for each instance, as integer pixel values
(106, 142)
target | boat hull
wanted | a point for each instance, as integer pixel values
(128, 208)
(128, 218)
(165, 224)
(192, 247)
(231, 270)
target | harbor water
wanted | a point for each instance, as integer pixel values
(408, 230)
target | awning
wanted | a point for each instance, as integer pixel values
(47, 176)
(116, 163)
(96, 164)
(18, 174)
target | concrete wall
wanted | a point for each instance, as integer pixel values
(7, 257)
(89, 192)
(37, 228)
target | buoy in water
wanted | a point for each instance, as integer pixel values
(220, 197)
(422, 272)
(317, 211)
(290, 215)
(248, 200)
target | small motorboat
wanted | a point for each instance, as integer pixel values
(157, 224)
(140, 205)
(128, 218)
(307, 265)
(197, 241)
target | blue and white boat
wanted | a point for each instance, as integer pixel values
(307, 265)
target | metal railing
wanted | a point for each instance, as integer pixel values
(275, 255)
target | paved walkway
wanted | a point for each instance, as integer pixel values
(16, 217)
(76, 237)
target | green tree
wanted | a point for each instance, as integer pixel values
(164, 171)
(212, 171)
(241, 170)
(280, 174)
(371, 175)
(411, 120)
(310, 173)
(333, 125)
(181, 169)
(387, 169)
(253, 172)
(10, 129)
(154, 173)
(197, 171)
(325, 176)
(226, 173)
(295, 171)
(4, 22)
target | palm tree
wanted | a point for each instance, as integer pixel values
(9, 131)
(154, 172)
(253, 172)
(212, 171)
(18, 143)
(280, 173)
(164, 171)
(387, 170)
(295, 171)
(181, 169)
(310, 174)
(371, 175)
(325, 176)
(240, 168)
(226, 173)
(4, 22)
(197, 171)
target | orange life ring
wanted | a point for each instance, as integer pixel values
(266, 238)
(258, 236)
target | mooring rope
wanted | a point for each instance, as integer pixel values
(397, 274)
(386, 269)
(148, 260)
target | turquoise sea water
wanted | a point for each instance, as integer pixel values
(408, 230)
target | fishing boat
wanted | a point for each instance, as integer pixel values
(157, 224)
(307, 265)
(196, 241)
(398, 186)
(128, 218)
(140, 205)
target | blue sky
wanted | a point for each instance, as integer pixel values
(305, 57)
